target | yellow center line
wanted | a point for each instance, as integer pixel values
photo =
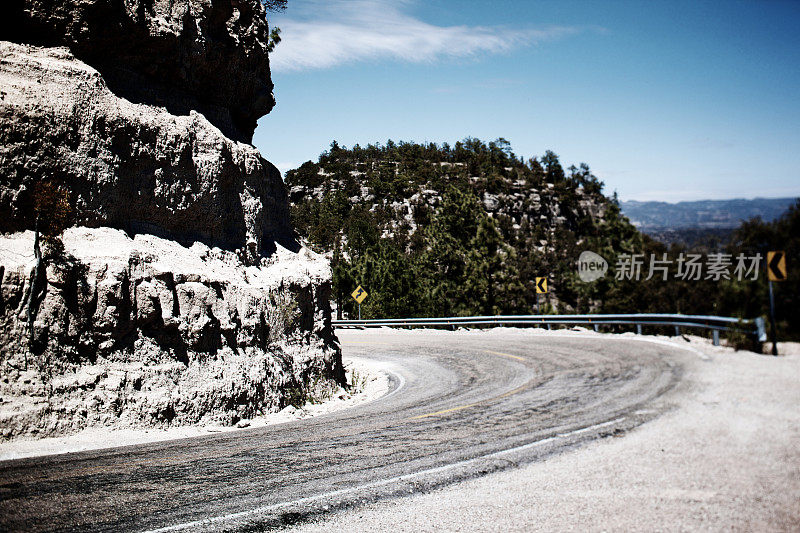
(505, 355)
(509, 393)
(467, 406)
(460, 407)
(163, 461)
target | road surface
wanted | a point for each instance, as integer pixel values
(472, 404)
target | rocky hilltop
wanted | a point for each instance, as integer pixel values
(179, 293)
(441, 230)
(402, 184)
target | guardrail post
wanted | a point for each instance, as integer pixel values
(677, 331)
(761, 330)
(716, 337)
(773, 330)
(638, 329)
(548, 327)
(596, 328)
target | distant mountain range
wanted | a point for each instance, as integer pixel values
(702, 214)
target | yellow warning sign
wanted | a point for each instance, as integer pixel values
(359, 294)
(776, 266)
(541, 285)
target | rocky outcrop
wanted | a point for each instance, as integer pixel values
(145, 331)
(180, 294)
(520, 205)
(204, 55)
(131, 166)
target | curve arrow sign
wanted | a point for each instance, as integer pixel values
(776, 266)
(541, 285)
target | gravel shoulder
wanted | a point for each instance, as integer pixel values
(725, 457)
(370, 380)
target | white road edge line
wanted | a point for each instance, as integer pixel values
(407, 477)
(401, 383)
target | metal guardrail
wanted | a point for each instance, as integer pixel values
(753, 327)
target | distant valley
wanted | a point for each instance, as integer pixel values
(704, 223)
(710, 214)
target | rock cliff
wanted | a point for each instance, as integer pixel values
(145, 331)
(131, 166)
(204, 55)
(180, 293)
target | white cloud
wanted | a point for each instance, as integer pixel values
(347, 31)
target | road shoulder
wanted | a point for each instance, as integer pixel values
(369, 378)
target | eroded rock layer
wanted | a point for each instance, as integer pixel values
(147, 332)
(207, 55)
(179, 294)
(131, 166)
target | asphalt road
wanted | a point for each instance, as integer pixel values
(473, 404)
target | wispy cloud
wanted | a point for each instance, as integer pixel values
(338, 32)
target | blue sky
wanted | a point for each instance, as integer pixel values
(664, 100)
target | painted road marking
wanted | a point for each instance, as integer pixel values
(443, 411)
(604, 336)
(489, 400)
(467, 406)
(509, 393)
(267, 509)
(505, 355)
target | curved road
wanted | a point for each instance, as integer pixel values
(461, 404)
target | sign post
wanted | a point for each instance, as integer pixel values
(776, 271)
(359, 295)
(541, 285)
(541, 288)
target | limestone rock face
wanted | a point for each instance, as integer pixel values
(130, 166)
(181, 295)
(145, 331)
(207, 55)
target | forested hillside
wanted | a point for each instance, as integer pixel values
(439, 230)
(454, 230)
